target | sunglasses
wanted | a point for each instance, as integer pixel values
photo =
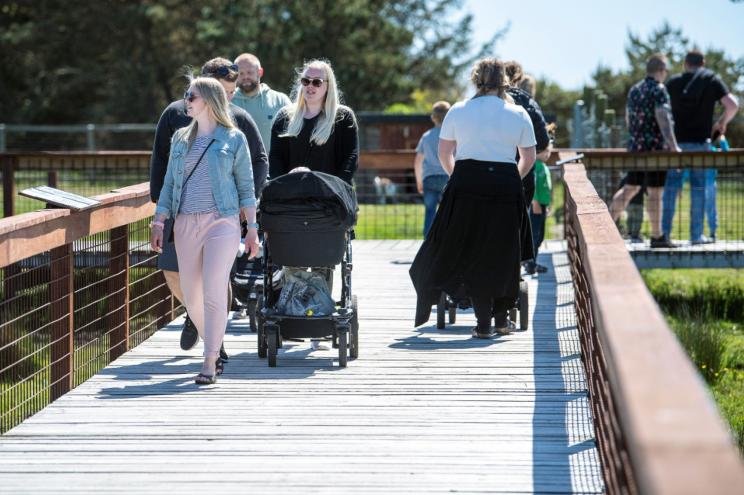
(190, 97)
(317, 82)
(224, 71)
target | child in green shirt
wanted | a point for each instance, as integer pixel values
(539, 210)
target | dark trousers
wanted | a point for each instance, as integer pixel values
(538, 228)
(486, 307)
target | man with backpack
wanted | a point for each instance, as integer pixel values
(694, 95)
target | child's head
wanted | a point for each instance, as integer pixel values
(438, 111)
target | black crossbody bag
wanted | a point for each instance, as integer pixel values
(173, 225)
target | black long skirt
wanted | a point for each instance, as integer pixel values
(478, 238)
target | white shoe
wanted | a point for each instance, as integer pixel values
(318, 345)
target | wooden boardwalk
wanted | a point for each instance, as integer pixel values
(421, 410)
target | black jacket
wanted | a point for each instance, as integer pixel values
(524, 100)
(174, 117)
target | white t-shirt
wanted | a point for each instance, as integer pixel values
(488, 128)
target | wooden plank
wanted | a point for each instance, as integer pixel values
(421, 411)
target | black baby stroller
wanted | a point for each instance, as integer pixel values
(307, 220)
(448, 304)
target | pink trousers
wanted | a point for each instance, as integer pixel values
(206, 246)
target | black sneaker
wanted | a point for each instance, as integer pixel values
(661, 242)
(482, 333)
(529, 267)
(540, 268)
(189, 335)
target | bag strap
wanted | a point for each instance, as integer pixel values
(197, 163)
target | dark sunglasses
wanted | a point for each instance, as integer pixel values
(224, 71)
(190, 97)
(317, 82)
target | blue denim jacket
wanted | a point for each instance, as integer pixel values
(230, 173)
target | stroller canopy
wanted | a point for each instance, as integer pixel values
(304, 201)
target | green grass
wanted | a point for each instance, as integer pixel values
(705, 308)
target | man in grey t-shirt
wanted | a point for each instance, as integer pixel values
(257, 98)
(430, 176)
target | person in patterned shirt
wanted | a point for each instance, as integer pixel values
(648, 116)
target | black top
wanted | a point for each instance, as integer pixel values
(174, 117)
(338, 156)
(524, 100)
(694, 96)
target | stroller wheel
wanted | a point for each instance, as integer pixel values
(441, 306)
(272, 337)
(524, 306)
(342, 348)
(260, 333)
(354, 340)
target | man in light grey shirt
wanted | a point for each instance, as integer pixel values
(257, 98)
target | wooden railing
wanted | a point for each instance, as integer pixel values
(78, 290)
(656, 425)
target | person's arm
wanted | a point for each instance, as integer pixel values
(730, 108)
(160, 151)
(418, 170)
(527, 157)
(163, 208)
(666, 124)
(663, 115)
(348, 161)
(279, 150)
(243, 173)
(259, 159)
(539, 125)
(446, 152)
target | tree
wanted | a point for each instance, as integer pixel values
(67, 61)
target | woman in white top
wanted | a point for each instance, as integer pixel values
(479, 235)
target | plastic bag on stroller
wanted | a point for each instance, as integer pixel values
(305, 294)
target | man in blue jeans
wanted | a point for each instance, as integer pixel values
(694, 94)
(430, 176)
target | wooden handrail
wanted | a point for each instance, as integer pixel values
(25, 235)
(676, 440)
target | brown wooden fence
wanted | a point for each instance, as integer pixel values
(656, 425)
(78, 290)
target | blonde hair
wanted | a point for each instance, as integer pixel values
(329, 113)
(215, 97)
(488, 77)
(528, 84)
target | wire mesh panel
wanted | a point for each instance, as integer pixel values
(29, 314)
(390, 207)
(68, 312)
(693, 199)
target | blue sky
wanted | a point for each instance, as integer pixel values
(565, 40)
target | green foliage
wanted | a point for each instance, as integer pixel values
(115, 61)
(706, 294)
(704, 308)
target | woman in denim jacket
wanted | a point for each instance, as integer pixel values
(209, 182)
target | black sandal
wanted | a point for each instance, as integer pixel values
(202, 379)
(219, 366)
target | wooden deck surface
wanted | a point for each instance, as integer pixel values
(421, 411)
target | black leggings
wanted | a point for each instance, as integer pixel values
(486, 307)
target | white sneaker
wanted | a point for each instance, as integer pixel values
(318, 345)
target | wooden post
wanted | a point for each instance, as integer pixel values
(9, 190)
(118, 300)
(53, 179)
(61, 288)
